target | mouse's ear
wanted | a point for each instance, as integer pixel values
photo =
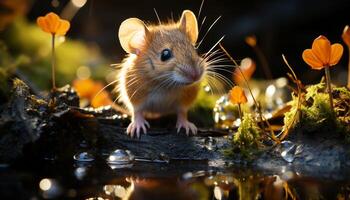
(188, 23)
(132, 34)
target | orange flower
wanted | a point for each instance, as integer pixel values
(237, 95)
(322, 54)
(247, 68)
(51, 23)
(251, 40)
(346, 35)
(102, 99)
(92, 91)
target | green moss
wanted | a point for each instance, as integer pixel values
(247, 140)
(248, 134)
(316, 113)
(8, 65)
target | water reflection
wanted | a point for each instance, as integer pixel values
(50, 188)
(166, 181)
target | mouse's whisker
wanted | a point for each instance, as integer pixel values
(211, 84)
(210, 56)
(207, 56)
(99, 92)
(217, 85)
(216, 53)
(221, 77)
(218, 42)
(155, 11)
(215, 61)
(172, 16)
(147, 83)
(201, 26)
(200, 10)
(163, 84)
(221, 65)
(116, 66)
(222, 69)
(224, 78)
(206, 33)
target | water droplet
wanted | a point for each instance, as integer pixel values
(120, 159)
(277, 94)
(80, 172)
(50, 188)
(164, 157)
(210, 143)
(289, 150)
(84, 157)
(226, 115)
(83, 144)
(187, 175)
(109, 189)
(218, 193)
(120, 191)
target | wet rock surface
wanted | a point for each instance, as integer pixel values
(56, 129)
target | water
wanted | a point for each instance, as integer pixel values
(84, 157)
(289, 150)
(176, 180)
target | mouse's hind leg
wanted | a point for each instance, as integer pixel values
(182, 122)
(137, 124)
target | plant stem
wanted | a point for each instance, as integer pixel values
(349, 68)
(240, 111)
(263, 61)
(329, 87)
(246, 82)
(53, 62)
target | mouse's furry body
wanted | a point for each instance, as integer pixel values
(137, 90)
(162, 71)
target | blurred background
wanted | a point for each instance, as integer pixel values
(91, 45)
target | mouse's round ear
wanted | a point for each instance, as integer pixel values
(132, 34)
(188, 23)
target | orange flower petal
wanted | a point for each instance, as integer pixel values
(336, 53)
(53, 21)
(101, 99)
(346, 35)
(84, 88)
(247, 67)
(321, 48)
(63, 28)
(42, 24)
(312, 60)
(251, 40)
(237, 95)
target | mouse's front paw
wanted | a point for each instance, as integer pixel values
(136, 127)
(188, 126)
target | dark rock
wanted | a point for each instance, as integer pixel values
(56, 128)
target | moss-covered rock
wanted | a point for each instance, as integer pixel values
(316, 114)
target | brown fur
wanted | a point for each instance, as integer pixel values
(160, 37)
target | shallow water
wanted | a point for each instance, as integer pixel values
(176, 180)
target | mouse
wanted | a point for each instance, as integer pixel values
(162, 71)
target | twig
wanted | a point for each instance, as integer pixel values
(285, 132)
(246, 82)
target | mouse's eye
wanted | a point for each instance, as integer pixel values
(166, 55)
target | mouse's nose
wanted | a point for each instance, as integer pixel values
(192, 73)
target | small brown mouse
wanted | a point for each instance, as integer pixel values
(162, 71)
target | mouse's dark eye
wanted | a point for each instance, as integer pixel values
(166, 55)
